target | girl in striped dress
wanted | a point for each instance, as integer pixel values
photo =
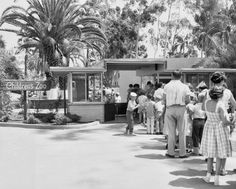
(215, 142)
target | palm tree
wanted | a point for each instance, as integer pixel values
(55, 29)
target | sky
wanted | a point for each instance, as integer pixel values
(10, 38)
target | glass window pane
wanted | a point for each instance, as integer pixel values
(94, 88)
(78, 87)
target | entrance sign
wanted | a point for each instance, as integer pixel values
(24, 85)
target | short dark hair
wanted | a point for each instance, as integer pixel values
(149, 96)
(130, 85)
(177, 74)
(149, 83)
(159, 85)
(136, 85)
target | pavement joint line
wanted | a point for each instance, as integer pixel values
(49, 126)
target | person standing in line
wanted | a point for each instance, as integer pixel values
(159, 91)
(132, 105)
(176, 96)
(141, 109)
(215, 141)
(117, 97)
(219, 79)
(159, 109)
(199, 118)
(150, 89)
(150, 111)
(129, 91)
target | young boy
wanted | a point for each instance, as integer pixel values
(199, 118)
(141, 109)
(132, 105)
(150, 112)
(159, 109)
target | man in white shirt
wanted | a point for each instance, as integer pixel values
(176, 96)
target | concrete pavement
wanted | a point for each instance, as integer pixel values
(97, 157)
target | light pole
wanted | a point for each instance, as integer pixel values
(25, 92)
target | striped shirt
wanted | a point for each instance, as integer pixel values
(176, 92)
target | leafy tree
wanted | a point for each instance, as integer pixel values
(56, 29)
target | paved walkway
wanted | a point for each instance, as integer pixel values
(96, 157)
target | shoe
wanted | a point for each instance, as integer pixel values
(207, 179)
(223, 172)
(170, 156)
(185, 156)
(194, 154)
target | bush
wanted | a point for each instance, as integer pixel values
(4, 118)
(61, 119)
(45, 118)
(74, 117)
(32, 120)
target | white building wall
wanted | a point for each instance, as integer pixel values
(126, 78)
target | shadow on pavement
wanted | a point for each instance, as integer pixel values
(152, 156)
(124, 135)
(189, 172)
(195, 161)
(198, 183)
(75, 134)
(154, 147)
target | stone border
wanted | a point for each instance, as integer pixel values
(48, 126)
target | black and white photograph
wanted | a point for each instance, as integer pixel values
(117, 94)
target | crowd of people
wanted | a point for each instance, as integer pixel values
(197, 122)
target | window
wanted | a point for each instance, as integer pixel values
(195, 79)
(86, 87)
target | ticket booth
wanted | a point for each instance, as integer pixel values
(85, 96)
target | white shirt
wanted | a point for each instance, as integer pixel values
(131, 105)
(176, 93)
(158, 92)
(159, 106)
(197, 111)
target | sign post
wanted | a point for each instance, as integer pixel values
(24, 85)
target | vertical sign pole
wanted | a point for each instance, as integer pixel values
(25, 92)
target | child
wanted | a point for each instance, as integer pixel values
(150, 112)
(132, 105)
(141, 109)
(215, 142)
(199, 118)
(159, 109)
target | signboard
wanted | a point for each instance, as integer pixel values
(24, 85)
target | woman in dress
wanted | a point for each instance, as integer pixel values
(219, 79)
(215, 141)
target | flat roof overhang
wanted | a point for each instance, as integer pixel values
(202, 70)
(133, 64)
(66, 70)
